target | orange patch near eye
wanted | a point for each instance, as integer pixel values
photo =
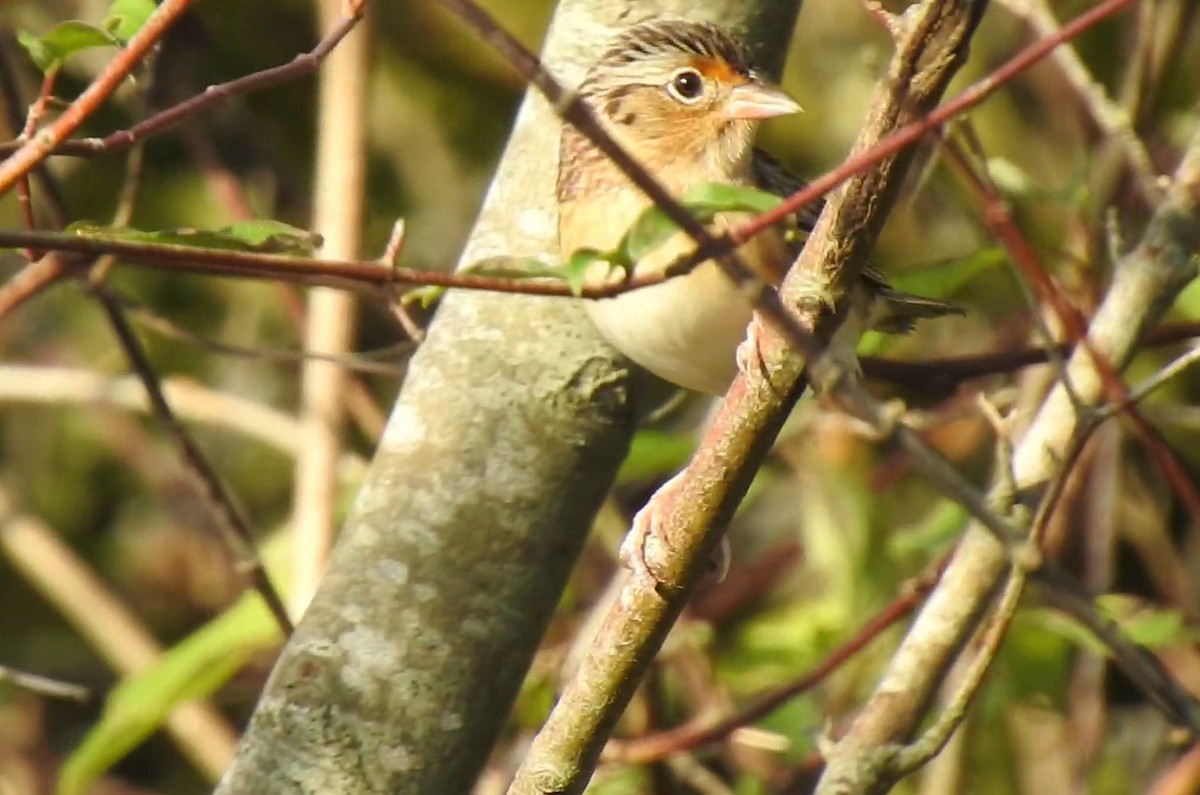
(717, 69)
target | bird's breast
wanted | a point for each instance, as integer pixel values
(685, 330)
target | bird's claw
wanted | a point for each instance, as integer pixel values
(749, 351)
(633, 548)
(644, 543)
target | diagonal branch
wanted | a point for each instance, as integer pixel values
(695, 513)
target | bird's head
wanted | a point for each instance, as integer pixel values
(677, 92)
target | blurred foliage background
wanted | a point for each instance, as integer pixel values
(835, 529)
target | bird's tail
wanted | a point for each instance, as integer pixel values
(897, 312)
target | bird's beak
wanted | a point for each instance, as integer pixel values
(756, 101)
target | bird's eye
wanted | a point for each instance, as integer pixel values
(686, 86)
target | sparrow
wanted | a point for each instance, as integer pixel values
(683, 99)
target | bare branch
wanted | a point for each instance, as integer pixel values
(234, 527)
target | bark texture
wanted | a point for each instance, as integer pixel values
(505, 438)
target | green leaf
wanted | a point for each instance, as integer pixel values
(268, 235)
(1188, 302)
(263, 236)
(716, 197)
(1145, 623)
(705, 202)
(424, 296)
(654, 454)
(192, 669)
(126, 17)
(42, 57)
(575, 271)
(937, 529)
(514, 268)
(941, 280)
(64, 39)
(1139, 621)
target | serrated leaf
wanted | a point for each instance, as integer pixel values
(64, 39)
(264, 237)
(126, 17)
(515, 268)
(268, 235)
(705, 202)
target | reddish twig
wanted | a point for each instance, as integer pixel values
(43, 143)
(1004, 229)
(165, 120)
(37, 275)
(32, 119)
(654, 747)
(12, 102)
(363, 274)
(910, 134)
(33, 279)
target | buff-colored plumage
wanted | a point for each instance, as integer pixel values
(682, 99)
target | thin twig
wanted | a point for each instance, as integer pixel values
(44, 685)
(299, 66)
(366, 275)
(234, 527)
(372, 361)
(657, 746)
(1110, 119)
(32, 119)
(944, 372)
(34, 151)
(930, 744)
(12, 100)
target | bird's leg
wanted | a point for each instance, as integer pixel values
(644, 541)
